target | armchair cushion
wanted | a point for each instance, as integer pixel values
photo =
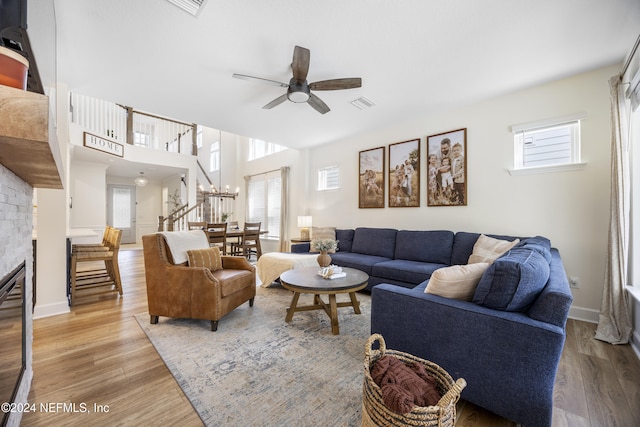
(209, 258)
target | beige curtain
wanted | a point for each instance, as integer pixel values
(284, 209)
(614, 325)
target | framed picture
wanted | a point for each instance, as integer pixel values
(371, 178)
(447, 169)
(404, 174)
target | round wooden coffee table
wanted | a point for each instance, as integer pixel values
(307, 281)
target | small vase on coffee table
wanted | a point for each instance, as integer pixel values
(324, 259)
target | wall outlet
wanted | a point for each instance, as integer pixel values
(574, 282)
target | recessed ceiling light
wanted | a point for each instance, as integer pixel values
(363, 103)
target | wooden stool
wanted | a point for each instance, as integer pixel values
(101, 277)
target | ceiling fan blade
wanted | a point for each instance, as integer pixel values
(260, 79)
(279, 100)
(300, 63)
(337, 84)
(318, 104)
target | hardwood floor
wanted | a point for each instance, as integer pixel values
(98, 355)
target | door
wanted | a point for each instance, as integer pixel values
(121, 210)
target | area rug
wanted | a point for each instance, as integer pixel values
(258, 370)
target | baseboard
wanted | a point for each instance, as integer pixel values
(47, 310)
(584, 314)
(635, 343)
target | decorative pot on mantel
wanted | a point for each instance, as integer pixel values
(324, 259)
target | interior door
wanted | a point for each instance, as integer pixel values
(121, 210)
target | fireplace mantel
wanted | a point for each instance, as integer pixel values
(24, 138)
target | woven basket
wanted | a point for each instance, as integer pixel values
(376, 414)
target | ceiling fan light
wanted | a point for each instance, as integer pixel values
(141, 180)
(298, 96)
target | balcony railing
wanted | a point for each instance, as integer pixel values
(124, 124)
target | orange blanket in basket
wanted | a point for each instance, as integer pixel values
(404, 385)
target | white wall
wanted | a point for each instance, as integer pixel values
(570, 208)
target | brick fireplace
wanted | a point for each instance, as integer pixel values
(16, 219)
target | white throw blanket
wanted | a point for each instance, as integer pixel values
(179, 242)
(271, 265)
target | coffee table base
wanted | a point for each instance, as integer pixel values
(318, 304)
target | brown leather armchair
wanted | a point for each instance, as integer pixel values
(180, 291)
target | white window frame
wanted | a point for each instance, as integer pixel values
(199, 136)
(259, 148)
(573, 122)
(271, 208)
(214, 157)
(323, 175)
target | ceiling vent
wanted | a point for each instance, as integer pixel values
(191, 6)
(363, 103)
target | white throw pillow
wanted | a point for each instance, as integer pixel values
(457, 281)
(488, 249)
(322, 233)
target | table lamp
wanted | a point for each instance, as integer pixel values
(304, 222)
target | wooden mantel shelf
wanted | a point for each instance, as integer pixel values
(24, 137)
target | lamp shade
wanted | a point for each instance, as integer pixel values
(304, 221)
(141, 180)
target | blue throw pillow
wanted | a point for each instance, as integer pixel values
(513, 281)
(539, 244)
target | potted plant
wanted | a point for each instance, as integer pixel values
(324, 246)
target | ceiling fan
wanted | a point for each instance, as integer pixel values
(298, 90)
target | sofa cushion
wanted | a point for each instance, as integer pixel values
(456, 281)
(537, 243)
(488, 249)
(209, 258)
(345, 239)
(513, 281)
(463, 247)
(425, 246)
(358, 261)
(322, 233)
(374, 241)
(405, 270)
(463, 243)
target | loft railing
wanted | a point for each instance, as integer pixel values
(124, 124)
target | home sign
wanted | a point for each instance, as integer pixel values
(104, 145)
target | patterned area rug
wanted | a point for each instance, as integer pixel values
(258, 370)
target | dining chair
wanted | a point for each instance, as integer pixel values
(217, 233)
(196, 225)
(249, 242)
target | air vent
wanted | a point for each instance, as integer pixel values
(191, 6)
(363, 103)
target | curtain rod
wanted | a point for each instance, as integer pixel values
(631, 55)
(264, 173)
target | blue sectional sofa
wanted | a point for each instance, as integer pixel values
(506, 342)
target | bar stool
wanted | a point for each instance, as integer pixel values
(107, 276)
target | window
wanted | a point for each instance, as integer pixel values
(329, 178)
(214, 157)
(547, 144)
(141, 139)
(259, 148)
(199, 137)
(263, 202)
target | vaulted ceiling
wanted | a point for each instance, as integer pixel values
(415, 57)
